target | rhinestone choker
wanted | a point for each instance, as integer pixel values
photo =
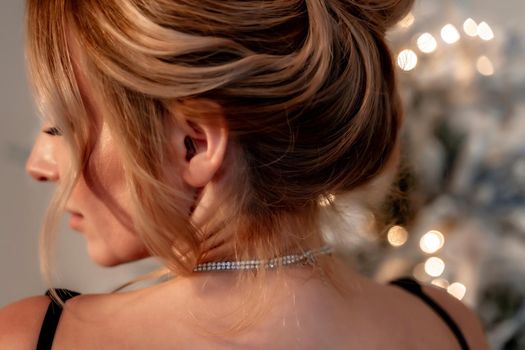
(307, 257)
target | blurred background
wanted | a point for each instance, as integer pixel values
(461, 222)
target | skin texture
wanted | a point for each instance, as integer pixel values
(99, 202)
(304, 313)
(373, 316)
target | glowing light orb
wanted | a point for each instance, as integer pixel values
(397, 236)
(485, 32)
(457, 289)
(470, 27)
(407, 60)
(407, 21)
(432, 241)
(426, 43)
(434, 266)
(485, 66)
(450, 34)
(440, 282)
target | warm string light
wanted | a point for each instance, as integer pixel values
(407, 21)
(434, 266)
(457, 290)
(470, 27)
(440, 282)
(426, 43)
(407, 60)
(450, 34)
(485, 32)
(485, 66)
(397, 236)
(432, 241)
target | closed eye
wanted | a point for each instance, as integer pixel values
(53, 131)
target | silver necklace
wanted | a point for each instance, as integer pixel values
(307, 257)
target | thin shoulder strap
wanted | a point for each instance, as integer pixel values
(414, 287)
(49, 326)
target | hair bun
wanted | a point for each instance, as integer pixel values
(383, 13)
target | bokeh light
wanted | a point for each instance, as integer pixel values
(450, 34)
(407, 21)
(397, 236)
(407, 60)
(484, 66)
(426, 43)
(440, 282)
(485, 32)
(457, 289)
(470, 27)
(432, 241)
(434, 266)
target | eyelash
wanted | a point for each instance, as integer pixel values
(53, 131)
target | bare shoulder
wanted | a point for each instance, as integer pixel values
(466, 319)
(20, 322)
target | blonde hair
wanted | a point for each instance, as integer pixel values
(307, 87)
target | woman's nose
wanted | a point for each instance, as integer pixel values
(41, 164)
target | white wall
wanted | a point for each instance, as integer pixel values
(21, 203)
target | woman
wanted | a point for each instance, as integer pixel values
(215, 135)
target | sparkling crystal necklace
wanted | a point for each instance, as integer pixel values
(307, 257)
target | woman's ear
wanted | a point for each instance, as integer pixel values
(203, 143)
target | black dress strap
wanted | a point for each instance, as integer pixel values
(49, 326)
(414, 287)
